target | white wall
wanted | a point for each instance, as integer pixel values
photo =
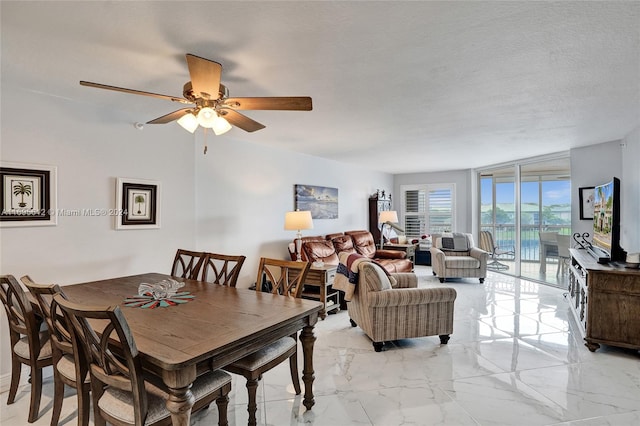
(630, 193)
(244, 190)
(464, 196)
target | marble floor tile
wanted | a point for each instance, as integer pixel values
(516, 357)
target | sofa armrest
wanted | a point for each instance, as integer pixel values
(410, 296)
(437, 260)
(478, 253)
(390, 254)
(405, 280)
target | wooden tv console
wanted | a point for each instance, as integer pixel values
(605, 301)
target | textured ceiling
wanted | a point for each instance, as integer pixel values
(396, 86)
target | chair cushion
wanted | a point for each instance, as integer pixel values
(22, 347)
(265, 355)
(119, 404)
(67, 368)
(461, 262)
(343, 244)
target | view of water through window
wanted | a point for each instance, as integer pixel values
(545, 212)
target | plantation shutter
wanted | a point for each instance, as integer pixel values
(428, 209)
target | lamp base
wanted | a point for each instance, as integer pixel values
(298, 247)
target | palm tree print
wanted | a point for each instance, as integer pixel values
(139, 199)
(22, 189)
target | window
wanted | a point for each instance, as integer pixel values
(428, 209)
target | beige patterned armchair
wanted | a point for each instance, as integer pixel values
(454, 255)
(385, 312)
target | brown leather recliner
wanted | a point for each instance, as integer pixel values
(392, 260)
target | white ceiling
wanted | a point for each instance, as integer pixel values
(397, 86)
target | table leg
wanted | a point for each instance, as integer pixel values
(543, 258)
(308, 339)
(323, 299)
(181, 398)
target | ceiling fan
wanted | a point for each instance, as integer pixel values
(209, 103)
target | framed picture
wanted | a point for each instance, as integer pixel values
(28, 195)
(587, 197)
(137, 203)
(321, 201)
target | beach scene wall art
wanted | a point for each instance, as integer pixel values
(321, 201)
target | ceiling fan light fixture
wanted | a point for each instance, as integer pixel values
(206, 117)
(189, 122)
(220, 126)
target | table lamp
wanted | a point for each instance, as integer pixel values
(388, 217)
(297, 221)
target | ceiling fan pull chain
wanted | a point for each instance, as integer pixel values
(205, 140)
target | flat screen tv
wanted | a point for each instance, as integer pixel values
(606, 223)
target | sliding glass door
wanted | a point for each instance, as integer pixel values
(526, 206)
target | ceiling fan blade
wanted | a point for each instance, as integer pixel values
(294, 103)
(135, 92)
(240, 120)
(171, 116)
(205, 76)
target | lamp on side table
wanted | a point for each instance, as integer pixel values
(297, 221)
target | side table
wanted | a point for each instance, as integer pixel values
(319, 286)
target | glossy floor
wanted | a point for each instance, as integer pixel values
(515, 358)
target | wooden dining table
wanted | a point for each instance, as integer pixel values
(220, 325)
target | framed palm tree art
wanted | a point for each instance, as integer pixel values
(28, 195)
(137, 204)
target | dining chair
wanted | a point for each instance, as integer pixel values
(187, 264)
(67, 368)
(121, 394)
(222, 269)
(29, 345)
(286, 278)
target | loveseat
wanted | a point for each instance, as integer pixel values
(326, 249)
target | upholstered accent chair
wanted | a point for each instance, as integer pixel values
(454, 255)
(391, 307)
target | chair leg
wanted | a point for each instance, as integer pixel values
(252, 406)
(96, 393)
(36, 393)
(223, 403)
(58, 397)
(84, 402)
(16, 369)
(295, 376)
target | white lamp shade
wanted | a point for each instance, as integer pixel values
(220, 125)
(388, 216)
(295, 221)
(189, 122)
(207, 117)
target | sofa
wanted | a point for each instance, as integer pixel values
(326, 249)
(391, 307)
(454, 255)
